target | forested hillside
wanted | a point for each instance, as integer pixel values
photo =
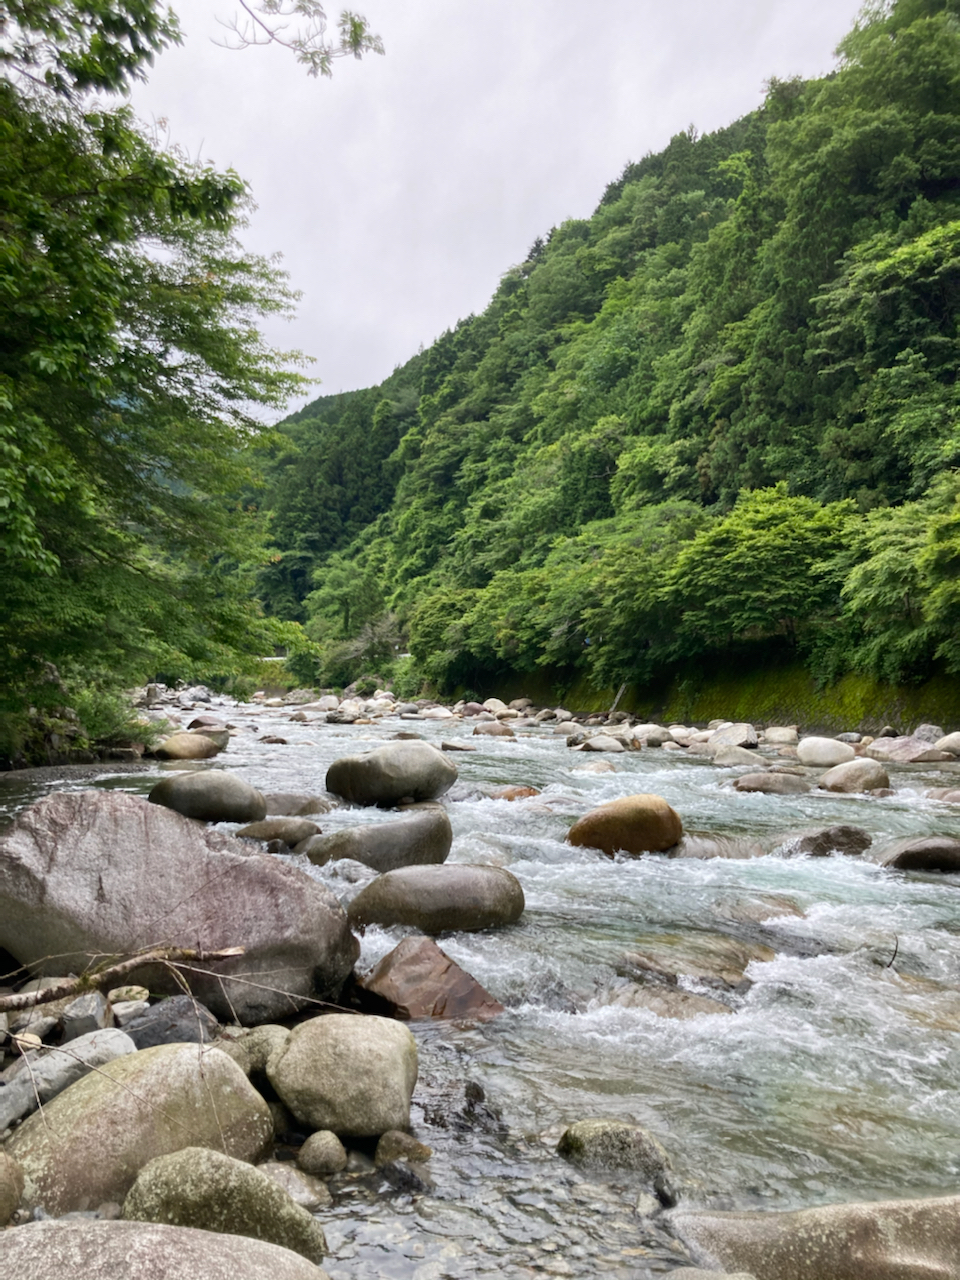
(717, 418)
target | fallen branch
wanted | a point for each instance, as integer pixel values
(98, 979)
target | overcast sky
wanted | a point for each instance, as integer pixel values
(399, 192)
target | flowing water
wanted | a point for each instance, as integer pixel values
(834, 1078)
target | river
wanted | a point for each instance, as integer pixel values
(834, 1078)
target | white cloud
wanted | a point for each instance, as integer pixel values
(399, 192)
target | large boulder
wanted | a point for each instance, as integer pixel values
(824, 753)
(781, 735)
(422, 837)
(189, 746)
(773, 784)
(91, 873)
(104, 1250)
(634, 824)
(728, 754)
(604, 742)
(881, 1240)
(949, 743)
(821, 842)
(929, 853)
(734, 735)
(493, 729)
(418, 980)
(349, 1074)
(90, 1142)
(907, 750)
(440, 899)
(197, 1187)
(38, 1076)
(856, 775)
(391, 773)
(212, 795)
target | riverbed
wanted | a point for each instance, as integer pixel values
(834, 1077)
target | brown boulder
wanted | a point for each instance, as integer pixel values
(188, 746)
(634, 824)
(494, 729)
(418, 980)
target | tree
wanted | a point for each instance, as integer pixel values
(131, 369)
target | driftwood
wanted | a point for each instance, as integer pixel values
(98, 979)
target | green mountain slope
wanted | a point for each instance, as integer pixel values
(718, 418)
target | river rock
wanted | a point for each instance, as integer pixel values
(734, 735)
(103, 1250)
(929, 853)
(856, 775)
(200, 1188)
(323, 1153)
(212, 795)
(196, 1097)
(41, 1074)
(773, 784)
(704, 846)
(289, 831)
(349, 1074)
(847, 840)
(304, 1189)
(633, 824)
(728, 755)
(614, 1144)
(188, 746)
(391, 773)
(440, 899)
(906, 750)
(422, 837)
(951, 795)
(89, 1012)
(664, 1001)
(295, 804)
(880, 1240)
(595, 766)
(493, 729)
(603, 742)
(418, 980)
(397, 1145)
(711, 958)
(824, 753)
(951, 743)
(781, 735)
(179, 1020)
(90, 873)
(494, 705)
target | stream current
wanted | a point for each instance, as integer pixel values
(834, 1078)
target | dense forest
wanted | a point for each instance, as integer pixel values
(716, 420)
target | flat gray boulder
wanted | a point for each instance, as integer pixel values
(882, 1240)
(102, 1250)
(41, 1074)
(422, 838)
(347, 1074)
(88, 1145)
(212, 795)
(91, 873)
(907, 750)
(391, 773)
(197, 1187)
(440, 899)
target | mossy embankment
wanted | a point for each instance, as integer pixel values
(776, 694)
